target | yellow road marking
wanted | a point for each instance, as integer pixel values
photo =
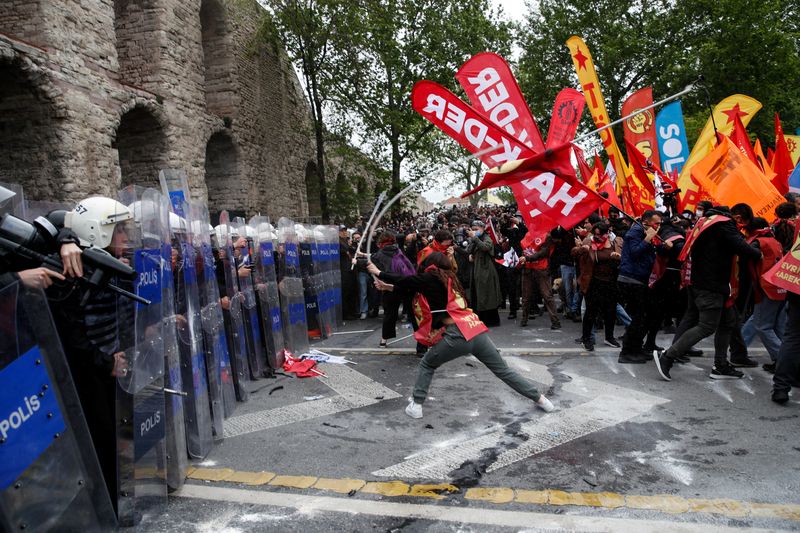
(665, 503)
(343, 486)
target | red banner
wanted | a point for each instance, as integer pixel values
(641, 189)
(545, 200)
(492, 88)
(786, 272)
(566, 115)
(640, 129)
(466, 125)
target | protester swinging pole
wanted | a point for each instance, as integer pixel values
(381, 197)
(411, 186)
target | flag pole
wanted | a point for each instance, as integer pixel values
(689, 88)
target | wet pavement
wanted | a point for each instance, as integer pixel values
(624, 451)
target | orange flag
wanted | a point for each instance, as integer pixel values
(782, 162)
(761, 159)
(730, 178)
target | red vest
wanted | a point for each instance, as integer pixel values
(772, 252)
(686, 270)
(660, 266)
(466, 320)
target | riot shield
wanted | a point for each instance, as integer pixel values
(290, 287)
(199, 436)
(234, 321)
(214, 335)
(158, 228)
(140, 406)
(311, 275)
(50, 479)
(250, 311)
(335, 275)
(327, 281)
(217, 362)
(266, 285)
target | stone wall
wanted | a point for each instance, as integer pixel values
(96, 95)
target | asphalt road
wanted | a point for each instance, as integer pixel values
(624, 451)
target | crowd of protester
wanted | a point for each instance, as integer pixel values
(691, 274)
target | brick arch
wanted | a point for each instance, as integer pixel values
(141, 144)
(31, 121)
(218, 59)
(222, 171)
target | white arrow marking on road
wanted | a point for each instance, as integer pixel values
(354, 390)
(609, 405)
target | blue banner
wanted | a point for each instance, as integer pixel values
(794, 179)
(30, 417)
(671, 132)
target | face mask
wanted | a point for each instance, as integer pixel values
(699, 213)
(478, 233)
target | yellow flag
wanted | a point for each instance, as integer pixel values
(587, 76)
(793, 143)
(730, 178)
(724, 113)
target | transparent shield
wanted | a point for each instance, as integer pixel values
(234, 323)
(266, 287)
(244, 248)
(199, 432)
(210, 318)
(49, 475)
(290, 288)
(140, 404)
(177, 459)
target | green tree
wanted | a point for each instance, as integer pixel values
(397, 43)
(311, 31)
(739, 46)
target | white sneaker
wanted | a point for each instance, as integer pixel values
(545, 405)
(363, 316)
(414, 410)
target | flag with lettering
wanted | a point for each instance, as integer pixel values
(786, 272)
(724, 112)
(731, 178)
(640, 129)
(587, 76)
(492, 89)
(673, 148)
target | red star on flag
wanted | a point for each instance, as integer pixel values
(581, 59)
(734, 112)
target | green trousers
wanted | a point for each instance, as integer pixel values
(452, 346)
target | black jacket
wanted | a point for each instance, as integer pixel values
(712, 256)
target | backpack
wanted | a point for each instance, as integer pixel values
(401, 265)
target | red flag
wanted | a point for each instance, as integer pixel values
(490, 230)
(553, 161)
(583, 168)
(598, 164)
(607, 187)
(782, 161)
(466, 125)
(566, 115)
(740, 139)
(492, 88)
(770, 156)
(642, 193)
(640, 129)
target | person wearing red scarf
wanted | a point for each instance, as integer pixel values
(442, 312)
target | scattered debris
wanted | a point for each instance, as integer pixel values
(273, 389)
(312, 398)
(428, 426)
(328, 424)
